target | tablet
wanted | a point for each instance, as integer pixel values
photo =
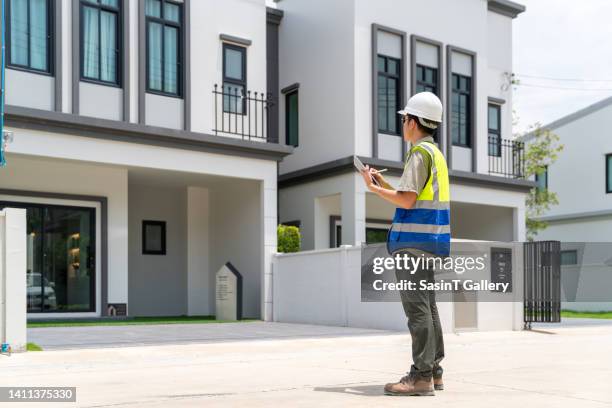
(361, 167)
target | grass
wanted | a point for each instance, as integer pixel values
(586, 315)
(33, 347)
(129, 321)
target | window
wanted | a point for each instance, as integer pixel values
(100, 40)
(154, 238)
(164, 46)
(542, 180)
(234, 79)
(388, 94)
(494, 130)
(460, 110)
(609, 173)
(426, 79)
(30, 35)
(569, 257)
(291, 119)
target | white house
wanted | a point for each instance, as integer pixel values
(145, 151)
(347, 66)
(582, 179)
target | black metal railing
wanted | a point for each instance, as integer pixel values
(240, 113)
(506, 157)
(542, 282)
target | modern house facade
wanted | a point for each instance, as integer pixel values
(582, 225)
(348, 66)
(145, 151)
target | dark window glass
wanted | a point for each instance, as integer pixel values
(29, 34)
(234, 79)
(61, 261)
(388, 94)
(154, 237)
(542, 180)
(609, 173)
(569, 257)
(460, 110)
(100, 41)
(426, 79)
(164, 46)
(292, 118)
(376, 235)
(494, 126)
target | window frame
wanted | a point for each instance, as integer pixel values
(50, 71)
(234, 81)
(568, 251)
(398, 95)
(289, 94)
(495, 132)
(180, 49)
(608, 170)
(469, 106)
(151, 223)
(118, 46)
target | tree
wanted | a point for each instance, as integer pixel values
(542, 149)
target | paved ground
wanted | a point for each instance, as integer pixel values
(53, 338)
(568, 368)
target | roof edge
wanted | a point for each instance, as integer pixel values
(506, 7)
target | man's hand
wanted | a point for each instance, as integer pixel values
(368, 177)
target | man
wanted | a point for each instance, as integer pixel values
(421, 226)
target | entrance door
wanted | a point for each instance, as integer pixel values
(61, 261)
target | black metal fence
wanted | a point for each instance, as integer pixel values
(542, 284)
(506, 157)
(240, 113)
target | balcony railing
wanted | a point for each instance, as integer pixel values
(506, 157)
(241, 114)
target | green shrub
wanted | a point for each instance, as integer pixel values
(288, 239)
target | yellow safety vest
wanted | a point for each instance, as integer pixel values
(425, 226)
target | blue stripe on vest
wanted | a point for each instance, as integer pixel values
(438, 244)
(422, 216)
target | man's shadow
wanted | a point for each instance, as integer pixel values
(364, 390)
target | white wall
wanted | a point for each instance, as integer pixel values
(158, 283)
(200, 301)
(13, 256)
(30, 90)
(45, 175)
(236, 237)
(239, 18)
(332, 277)
(316, 48)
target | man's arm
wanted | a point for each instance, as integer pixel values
(403, 199)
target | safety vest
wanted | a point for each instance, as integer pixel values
(425, 226)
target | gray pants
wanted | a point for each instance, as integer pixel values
(423, 323)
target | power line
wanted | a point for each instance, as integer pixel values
(564, 79)
(564, 88)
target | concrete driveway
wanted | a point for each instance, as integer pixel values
(562, 367)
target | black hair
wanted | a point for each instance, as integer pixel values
(425, 129)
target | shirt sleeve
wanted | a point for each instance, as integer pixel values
(416, 173)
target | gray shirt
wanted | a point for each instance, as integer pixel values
(416, 170)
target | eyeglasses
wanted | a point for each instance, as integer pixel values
(405, 119)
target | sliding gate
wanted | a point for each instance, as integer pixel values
(542, 284)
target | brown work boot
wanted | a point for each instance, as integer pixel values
(411, 384)
(437, 379)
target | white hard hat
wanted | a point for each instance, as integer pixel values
(425, 105)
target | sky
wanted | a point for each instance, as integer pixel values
(566, 39)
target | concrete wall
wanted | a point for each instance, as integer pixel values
(158, 283)
(332, 277)
(31, 90)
